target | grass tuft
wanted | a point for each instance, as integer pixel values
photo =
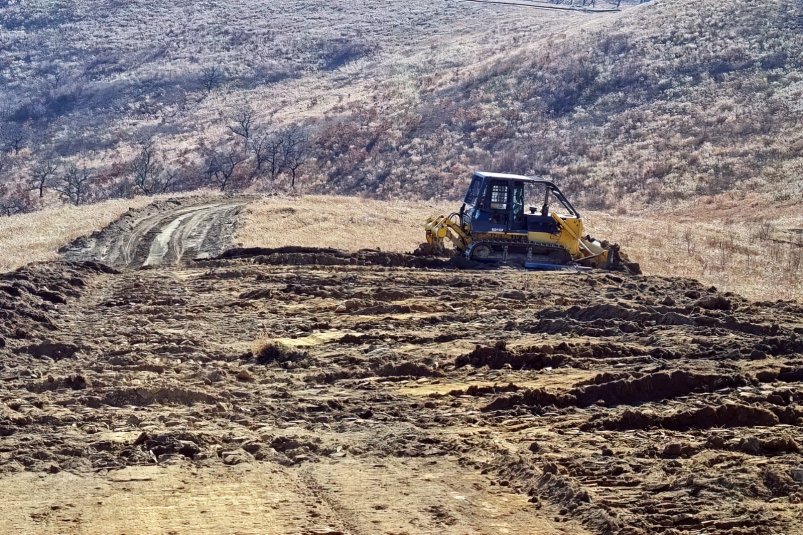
(269, 351)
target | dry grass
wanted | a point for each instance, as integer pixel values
(760, 261)
(37, 236)
(268, 350)
(340, 222)
(753, 255)
(651, 106)
(729, 242)
(736, 242)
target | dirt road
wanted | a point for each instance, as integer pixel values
(393, 399)
(163, 233)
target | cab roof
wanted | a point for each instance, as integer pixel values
(518, 178)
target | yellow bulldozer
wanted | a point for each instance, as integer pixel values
(520, 221)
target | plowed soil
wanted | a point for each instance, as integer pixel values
(315, 391)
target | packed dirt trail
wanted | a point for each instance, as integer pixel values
(313, 391)
(164, 233)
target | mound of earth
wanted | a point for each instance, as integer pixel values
(30, 297)
(372, 392)
(164, 232)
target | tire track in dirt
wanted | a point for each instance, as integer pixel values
(164, 233)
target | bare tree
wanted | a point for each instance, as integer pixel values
(211, 77)
(295, 148)
(145, 167)
(267, 151)
(243, 120)
(42, 175)
(168, 177)
(221, 165)
(73, 184)
(13, 137)
(150, 176)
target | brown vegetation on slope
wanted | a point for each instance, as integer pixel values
(658, 103)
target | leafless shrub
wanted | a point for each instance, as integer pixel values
(14, 199)
(763, 232)
(295, 150)
(688, 239)
(221, 165)
(149, 173)
(268, 153)
(41, 176)
(13, 136)
(211, 77)
(242, 120)
(74, 184)
(268, 351)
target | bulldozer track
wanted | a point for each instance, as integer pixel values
(162, 234)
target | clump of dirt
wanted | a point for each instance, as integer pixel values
(727, 415)
(623, 391)
(553, 483)
(156, 395)
(317, 256)
(162, 445)
(485, 390)
(714, 302)
(71, 382)
(405, 369)
(30, 296)
(295, 449)
(51, 350)
(654, 386)
(499, 356)
(535, 398)
(780, 483)
(261, 293)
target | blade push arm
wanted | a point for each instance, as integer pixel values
(441, 228)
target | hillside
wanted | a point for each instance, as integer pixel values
(656, 104)
(86, 82)
(663, 102)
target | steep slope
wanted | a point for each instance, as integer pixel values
(87, 80)
(663, 101)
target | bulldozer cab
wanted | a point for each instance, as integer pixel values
(513, 204)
